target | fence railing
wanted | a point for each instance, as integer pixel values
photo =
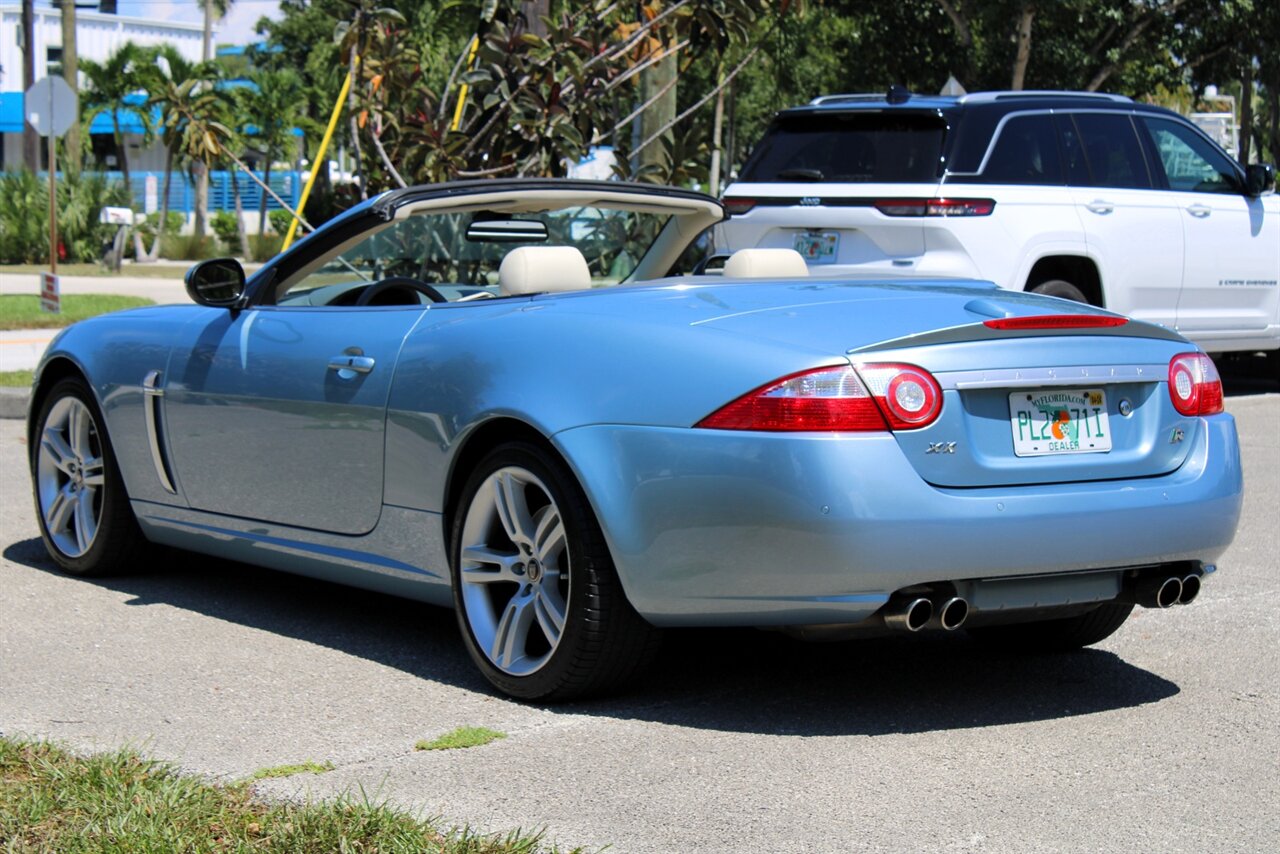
(146, 188)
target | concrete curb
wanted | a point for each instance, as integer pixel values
(13, 402)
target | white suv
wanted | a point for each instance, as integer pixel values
(1085, 196)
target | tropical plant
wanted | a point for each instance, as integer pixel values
(112, 87)
(266, 113)
(24, 216)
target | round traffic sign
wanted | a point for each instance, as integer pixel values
(50, 106)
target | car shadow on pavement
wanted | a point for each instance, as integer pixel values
(1249, 373)
(732, 680)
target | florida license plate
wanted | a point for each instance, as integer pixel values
(1059, 421)
(818, 247)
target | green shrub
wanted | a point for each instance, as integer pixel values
(224, 225)
(264, 247)
(279, 221)
(147, 229)
(188, 247)
(24, 216)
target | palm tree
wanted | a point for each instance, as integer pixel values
(267, 112)
(191, 122)
(112, 86)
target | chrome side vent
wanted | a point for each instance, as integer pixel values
(151, 413)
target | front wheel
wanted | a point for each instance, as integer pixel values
(85, 519)
(539, 603)
(1062, 635)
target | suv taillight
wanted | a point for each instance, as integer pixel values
(735, 206)
(1194, 385)
(935, 207)
(877, 396)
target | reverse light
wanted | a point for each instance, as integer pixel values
(1056, 321)
(735, 206)
(1194, 385)
(935, 207)
(873, 398)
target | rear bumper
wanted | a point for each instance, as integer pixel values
(722, 528)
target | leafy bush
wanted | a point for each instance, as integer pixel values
(147, 229)
(225, 226)
(280, 221)
(24, 216)
(264, 247)
(188, 247)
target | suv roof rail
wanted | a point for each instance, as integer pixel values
(988, 97)
(851, 97)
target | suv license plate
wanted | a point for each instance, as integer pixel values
(818, 247)
(1059, 421)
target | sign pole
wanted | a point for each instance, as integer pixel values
(53, 196)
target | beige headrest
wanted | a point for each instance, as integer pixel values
(538, 269)
(765, 264)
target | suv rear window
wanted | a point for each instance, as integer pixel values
(850, 147)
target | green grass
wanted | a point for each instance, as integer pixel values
(463, 736)
(137, 271)
(53, 800)
(22, 311)
(290, 770)
(16, 379)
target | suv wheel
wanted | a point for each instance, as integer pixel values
(1060, 288)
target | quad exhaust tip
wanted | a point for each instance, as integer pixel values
(953, 613)
(1159, 592)
(1190, 589)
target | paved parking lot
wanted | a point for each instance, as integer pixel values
(1166, 737)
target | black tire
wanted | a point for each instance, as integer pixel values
(601, 643)
(1062, 635)
(1060, 288)
(117, 543)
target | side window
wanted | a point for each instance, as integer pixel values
(1190, 162)
(1073, 161)
(1111, 147)
(1025, 153)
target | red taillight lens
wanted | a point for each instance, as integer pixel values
(734, 206)
(935, 207)
(909, 396)
(885, 396)
(1194, 385)
(1056, 321)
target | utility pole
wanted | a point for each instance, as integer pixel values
(30, 139)
(71, 73)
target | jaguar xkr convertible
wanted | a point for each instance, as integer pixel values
(550, 406)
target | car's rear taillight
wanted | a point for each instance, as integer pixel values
(1056, 321)
(734, 206)
(885, 396)
(1194, 385)
(935, 207)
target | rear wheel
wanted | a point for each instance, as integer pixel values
(85, 519)
(539, 603)
(1056, 635)
(1060, 288)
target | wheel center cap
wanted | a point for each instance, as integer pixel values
(534, 570)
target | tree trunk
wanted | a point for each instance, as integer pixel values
(964, 35)
(1246, 112)
(124, 156)
(262, 207)
(201, 171)
(207, 52)
(1024, 46)
(659, 115)
(534, 11)
(30, 139)
(240, 235)
(164, 206)
(70, 73)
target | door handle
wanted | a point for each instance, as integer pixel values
(1100, 206)
(1200, 211)
(349, 366)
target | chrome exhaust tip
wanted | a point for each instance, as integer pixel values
(1158, 592)
(953, 613)
(911, 615)
(1190, 589)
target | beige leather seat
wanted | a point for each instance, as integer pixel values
(540, 269)
(765, 264)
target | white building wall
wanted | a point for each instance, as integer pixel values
(97, 37)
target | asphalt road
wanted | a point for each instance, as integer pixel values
(1166, 737)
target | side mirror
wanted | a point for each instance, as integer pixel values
(218, 283)
(1259, 178)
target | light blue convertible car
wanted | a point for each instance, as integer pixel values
(536, 401)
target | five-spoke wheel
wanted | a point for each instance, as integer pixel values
(84, 514)
(539, 602)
